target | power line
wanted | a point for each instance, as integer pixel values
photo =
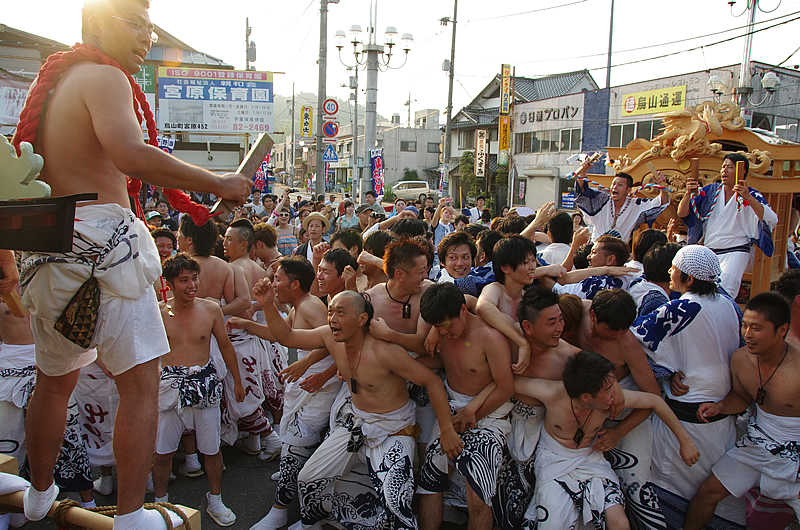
(525, 12)
(656, 45)
(695, 48)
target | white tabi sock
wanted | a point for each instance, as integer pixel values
(165, 498)
(143, 519)
(192, 462)
(276, 518)
(253, 442)
(90, 504)
(38, 503)
(215, 503)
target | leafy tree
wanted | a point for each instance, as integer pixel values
(410, 174)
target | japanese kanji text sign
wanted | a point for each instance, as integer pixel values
(654, 101)
(193, 99)
(306, 121)
(481, 140)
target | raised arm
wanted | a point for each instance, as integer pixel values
(691, 190)
(438, 213)
(546, 212)
(579, 238)
(316, 257)
(306, 339)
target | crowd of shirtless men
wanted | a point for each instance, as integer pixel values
(582, 383)
(410, 394)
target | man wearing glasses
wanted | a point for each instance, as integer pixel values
(91, 138)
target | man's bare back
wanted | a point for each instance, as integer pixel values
(252, 272)
(217, 277)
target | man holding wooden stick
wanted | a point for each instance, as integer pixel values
(91, 139)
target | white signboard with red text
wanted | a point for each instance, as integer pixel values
(204, 100)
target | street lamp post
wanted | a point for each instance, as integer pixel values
(372, 50)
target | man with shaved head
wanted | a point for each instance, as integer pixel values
(376, 420)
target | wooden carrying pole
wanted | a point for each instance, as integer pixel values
(76, 515)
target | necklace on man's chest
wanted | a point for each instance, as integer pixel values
(406, 304)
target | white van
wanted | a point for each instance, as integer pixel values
(413, 189)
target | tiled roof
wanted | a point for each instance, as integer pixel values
(551, 86)
(526, 89)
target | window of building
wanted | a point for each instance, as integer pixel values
(621, 134)
(575, 140)
(433, 147)
(648, 129)
(466, 139)
(408, 146)
(786, 128)
(492, 135)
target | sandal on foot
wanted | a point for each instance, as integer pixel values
(191, 473)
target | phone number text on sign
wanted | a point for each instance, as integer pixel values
(251, 127)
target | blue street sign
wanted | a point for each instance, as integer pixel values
(330, 129)
(330, 155)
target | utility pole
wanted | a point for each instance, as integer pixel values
(292, 140)
(745, 89)
(247, 31)
(409, 110)
(356, 168)
(371, 120)
(321, 90)
(610, 34)
(447, 133)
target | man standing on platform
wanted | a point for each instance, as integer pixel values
(729, 227)
(617, 210)
(91, 138)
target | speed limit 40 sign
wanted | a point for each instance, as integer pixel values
(330, 107)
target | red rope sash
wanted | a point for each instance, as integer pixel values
(50, 73)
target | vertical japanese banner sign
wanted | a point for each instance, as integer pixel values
(166, 144)
(306, 121)
(260, 178)
(376, 165)
(504, 137)
(481, 136)
(327, 168)
(505, 90)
